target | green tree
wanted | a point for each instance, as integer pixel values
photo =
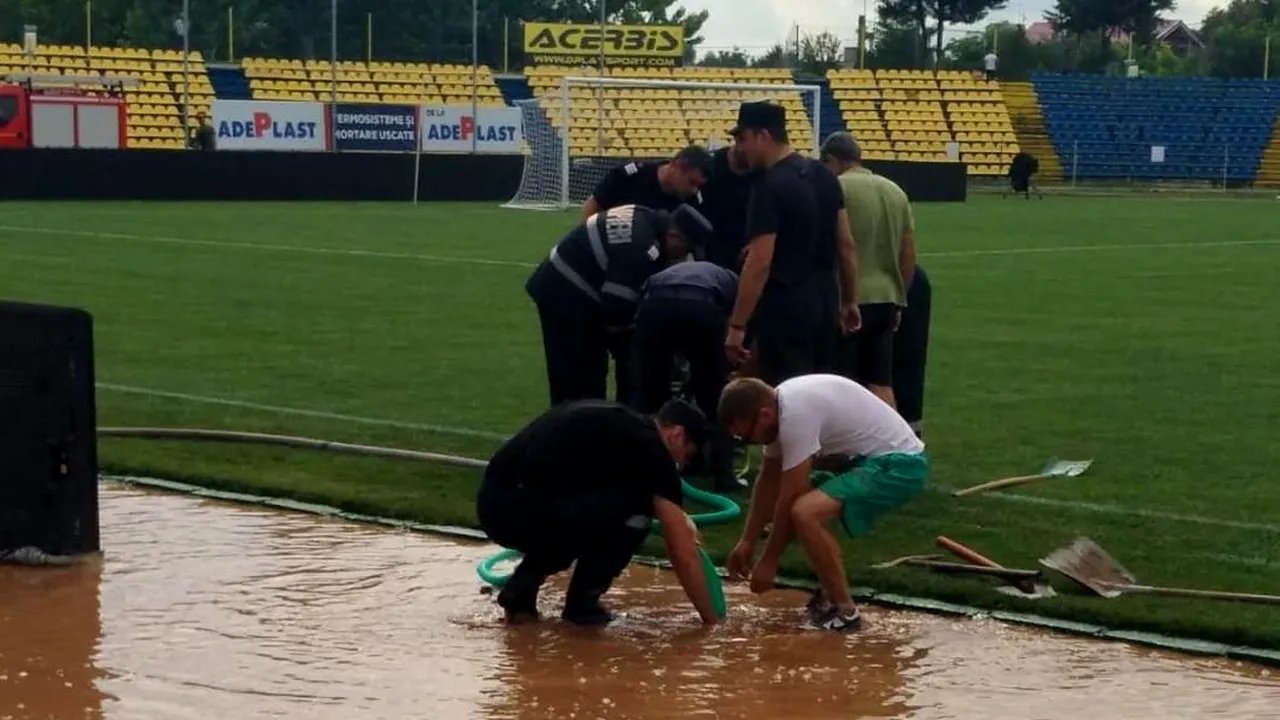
(944, 13)
(895, 44)
(1237, 37)
(735, 58)
(774, 57)
(1102, 17)
(819, 53)
(435, 30)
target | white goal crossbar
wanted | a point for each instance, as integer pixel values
(548, 180)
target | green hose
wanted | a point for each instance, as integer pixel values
(726, 511)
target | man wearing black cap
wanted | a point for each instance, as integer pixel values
(777, 294)
(683, 314)
(588, 287)
(658, 185)
(582, 483)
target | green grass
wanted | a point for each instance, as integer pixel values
(1150, 347)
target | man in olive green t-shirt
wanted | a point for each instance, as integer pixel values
(884, 231)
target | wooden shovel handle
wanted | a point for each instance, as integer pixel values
(1000, 572)
(1206, 594)
(966, 553)
(996, 484)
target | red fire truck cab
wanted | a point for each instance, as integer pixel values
(44, 112)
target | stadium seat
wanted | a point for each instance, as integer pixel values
(1211, 129)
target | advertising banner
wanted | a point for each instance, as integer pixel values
(270, 125)
(633, 45)
(385, 128)
(448, 128)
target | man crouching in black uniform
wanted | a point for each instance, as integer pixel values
(588, 288)
(658, 185)
(583, 483)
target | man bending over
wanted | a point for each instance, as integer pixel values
(883, 466)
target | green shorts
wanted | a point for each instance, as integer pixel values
(873, 487)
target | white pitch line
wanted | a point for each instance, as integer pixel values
(1099, 248)
(263, 246)
(515, 263)
(1098, 508)
(300, 412)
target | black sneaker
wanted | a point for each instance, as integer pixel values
(593, 615)
(837, 621)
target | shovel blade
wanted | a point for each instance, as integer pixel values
(1065, 468)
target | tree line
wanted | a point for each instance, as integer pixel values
(910, 34)
(907, 34)
(404, 30)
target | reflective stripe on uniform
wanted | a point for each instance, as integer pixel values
(572, 275)
(622, 291)
(593, 238)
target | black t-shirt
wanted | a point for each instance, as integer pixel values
(584, 446)
(784, 203)
(830, 198)
(635, 183)
(724, 202)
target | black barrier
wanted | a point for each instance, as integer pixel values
(68, 174)
(922, 181)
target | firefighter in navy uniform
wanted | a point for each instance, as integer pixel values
(657, 185)
(587, 290)
(911, 351)
(683, 314)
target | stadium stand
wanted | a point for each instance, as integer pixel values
(658, 121)
(154, 105)
(1105, 126)
(1269, 168)
(369, 82)
(1029, 126)
(913, 114)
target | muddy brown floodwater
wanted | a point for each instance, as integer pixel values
(203, 609)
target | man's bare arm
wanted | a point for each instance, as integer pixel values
(682, 551)
(907, 258)
(847, 252)
(755, 273)
(795, 482)
(764, 497)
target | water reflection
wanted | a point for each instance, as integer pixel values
(49, 630)
(210, 610)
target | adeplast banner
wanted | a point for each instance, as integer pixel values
(268, 125)
(571, 44)
(447, 128)
(385, 128)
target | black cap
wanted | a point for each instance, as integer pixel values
(695, 226)
(841, 146)
(760, 115)
(680, 413)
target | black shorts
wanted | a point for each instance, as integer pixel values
(1020, 183)
(866, 356)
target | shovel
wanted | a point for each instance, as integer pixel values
(1088, 564)
(1053, 468)
(1025, 587)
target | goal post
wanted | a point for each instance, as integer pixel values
(587, 125)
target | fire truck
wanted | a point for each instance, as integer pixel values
(60, 111)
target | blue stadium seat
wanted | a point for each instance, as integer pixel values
(1105, 126)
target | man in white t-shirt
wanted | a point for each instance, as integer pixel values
(883, 463)
(989, 63)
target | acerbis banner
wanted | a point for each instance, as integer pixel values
(571, 44)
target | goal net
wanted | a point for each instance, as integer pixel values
(577, 132)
